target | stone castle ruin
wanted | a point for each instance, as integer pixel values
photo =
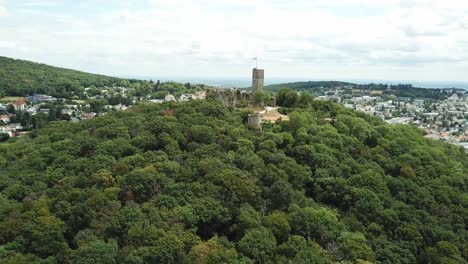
(233, 97)
(240, 97)
(245, 98)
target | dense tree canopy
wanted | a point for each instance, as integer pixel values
(189, 183)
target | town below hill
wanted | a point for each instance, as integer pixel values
(441, 113)
(18, 114)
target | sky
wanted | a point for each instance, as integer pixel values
(423, 40)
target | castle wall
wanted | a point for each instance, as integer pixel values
(232, 97)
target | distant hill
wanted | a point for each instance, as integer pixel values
(400, 90)
(20, 77)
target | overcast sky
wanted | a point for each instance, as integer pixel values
(425, 40)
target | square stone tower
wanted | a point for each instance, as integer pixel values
(258, 77)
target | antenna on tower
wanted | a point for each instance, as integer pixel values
(256, 62)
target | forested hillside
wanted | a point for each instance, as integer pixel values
(20, 78)
(189, 183)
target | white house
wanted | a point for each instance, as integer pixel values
(185, 97)
(5, 119)
(20, 105)
(169, 98)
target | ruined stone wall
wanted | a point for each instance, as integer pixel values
(237, 97)
(232, 97)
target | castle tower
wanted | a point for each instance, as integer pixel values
(255, 121)
(258, 76)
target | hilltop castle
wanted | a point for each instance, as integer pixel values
(241, 97)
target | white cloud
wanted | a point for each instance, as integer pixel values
(389, 39)
(7, 44)
(3, 10)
